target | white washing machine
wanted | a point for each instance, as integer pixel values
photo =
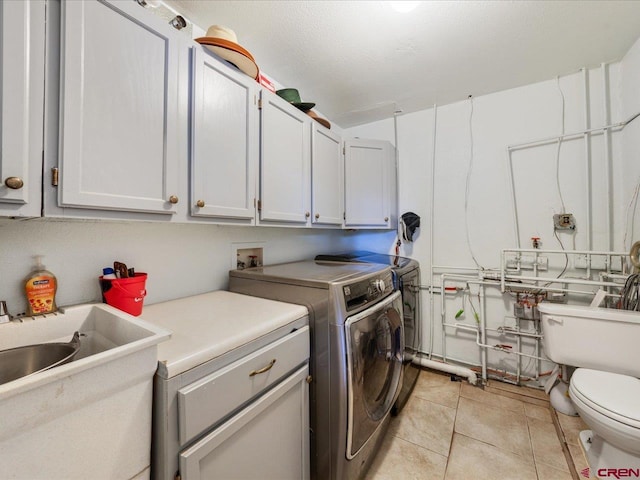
(357, 342)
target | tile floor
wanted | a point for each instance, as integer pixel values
(454, 431)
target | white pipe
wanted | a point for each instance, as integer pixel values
(464, 269)
(567, 136)
(607, 154)
(484, 346)
(577, 281)
(591, 252)
(469, 374)
(443, 319)
(483, 332)
(512, 188)
(587, 155)
(397, 158)
(431, 229)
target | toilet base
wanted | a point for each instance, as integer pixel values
(608, 460)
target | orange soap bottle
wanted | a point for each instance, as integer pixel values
(40, 288)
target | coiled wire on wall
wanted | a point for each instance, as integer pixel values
(629, 294)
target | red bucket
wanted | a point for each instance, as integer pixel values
(126, 294)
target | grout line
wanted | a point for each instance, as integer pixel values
(453, 431)
(563, 443)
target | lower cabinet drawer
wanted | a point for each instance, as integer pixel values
(267, 440)
(204, 403)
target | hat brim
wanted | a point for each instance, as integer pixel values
(233, 53)
(321, 121)
(304, 106)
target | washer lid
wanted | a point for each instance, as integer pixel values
(611, 394)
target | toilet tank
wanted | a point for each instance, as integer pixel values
(592, 337)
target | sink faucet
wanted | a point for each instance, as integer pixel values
(4, 314)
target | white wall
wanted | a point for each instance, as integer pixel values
(181, 259)
(630, 161)
(487, 224)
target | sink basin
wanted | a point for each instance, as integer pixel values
(99, 402)
(23, 361)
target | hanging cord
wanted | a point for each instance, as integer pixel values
(566, 257)
(629, 294)
(466, 191)
(564, 210)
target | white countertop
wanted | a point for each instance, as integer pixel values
(211, 324)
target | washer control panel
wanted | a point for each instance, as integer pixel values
(367, 291)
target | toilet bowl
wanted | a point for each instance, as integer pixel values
(608, 403)
(606, 392)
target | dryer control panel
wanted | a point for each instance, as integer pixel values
(367, 291)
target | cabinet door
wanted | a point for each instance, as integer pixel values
(327, 185)
(22, 28)
(224, 140)
(269, 439)
(368, 183)
(119, 107)
(285, 162)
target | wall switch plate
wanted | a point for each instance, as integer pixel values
(564, 221)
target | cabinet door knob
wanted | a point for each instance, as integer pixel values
(173, 199)
(200, 203)
(307, 214)
(386, 219)
(317, 216)
(14, 183)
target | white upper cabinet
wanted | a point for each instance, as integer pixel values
(327, 184)
(369, 184)
(119, 90)
(225, 141)
(285, 163)
(22, 32)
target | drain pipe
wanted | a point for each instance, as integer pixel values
(467, 373)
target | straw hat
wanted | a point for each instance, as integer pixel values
(321, 121)
(292, 96)
(223, 42)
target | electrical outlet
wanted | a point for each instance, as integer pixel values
(564, 221)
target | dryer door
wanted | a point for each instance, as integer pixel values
(375, 344)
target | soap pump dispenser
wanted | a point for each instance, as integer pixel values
(40, 289)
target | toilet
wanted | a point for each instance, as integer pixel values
(605, 389)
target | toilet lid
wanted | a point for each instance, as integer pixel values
(613, 395)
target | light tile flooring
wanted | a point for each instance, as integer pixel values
(453, 431)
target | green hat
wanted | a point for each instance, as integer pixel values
(292, 96)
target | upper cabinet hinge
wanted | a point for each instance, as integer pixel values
(344, 215)
(344, 149)
(260, 104)
(259, 205)
(54, 176)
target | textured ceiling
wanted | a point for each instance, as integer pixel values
(362, 60)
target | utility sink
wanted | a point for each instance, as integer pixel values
(31, 359)
(89, 417)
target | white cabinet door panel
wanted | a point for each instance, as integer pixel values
(327, 185)
(21, 107)
(224, 140)
(285, 162)
(367, 183)
(268, 440)
(119, 88)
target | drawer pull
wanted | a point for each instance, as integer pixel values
(263, 369)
